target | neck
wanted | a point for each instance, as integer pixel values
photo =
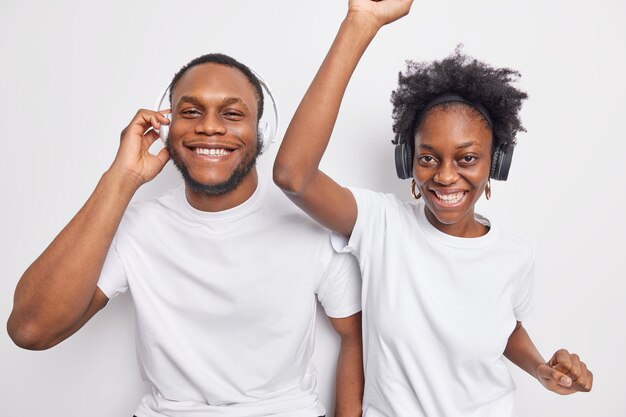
(466, 227)
(233, 198)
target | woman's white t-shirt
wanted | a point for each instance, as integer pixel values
(437, 311)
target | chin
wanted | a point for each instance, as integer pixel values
(447, 215)
(212, 186)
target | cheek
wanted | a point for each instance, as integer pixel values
(422, 174)
(178, 128)
(479, 174)
(240, 130)
(246, 133)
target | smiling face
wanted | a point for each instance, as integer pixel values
(451, 167)
(213, 134)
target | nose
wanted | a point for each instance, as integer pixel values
(210, 124)
(446, 174)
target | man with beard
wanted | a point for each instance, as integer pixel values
(223, 271)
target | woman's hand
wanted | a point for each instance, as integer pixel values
(565, 374)
(380, 12)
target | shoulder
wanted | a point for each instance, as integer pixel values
(518, 244)
(374, 199)
(276, 212)
(150, 210)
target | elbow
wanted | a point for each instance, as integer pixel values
(28, 335)
(288, 178)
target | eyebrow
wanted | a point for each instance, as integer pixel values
(459, 146)
(226, 101)
(467, 144)
(189, 99)
(425, 146)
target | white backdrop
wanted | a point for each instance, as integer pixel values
(73, 73)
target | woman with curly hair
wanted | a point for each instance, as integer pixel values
(444, 290)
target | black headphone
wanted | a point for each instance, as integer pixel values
(501, 157)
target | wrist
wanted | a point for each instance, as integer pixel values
(538, 365)
(364, 20)
(123, 181)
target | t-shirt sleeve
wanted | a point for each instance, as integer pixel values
(522, 301)
(339, 288)
(112, 281)
(369, 225)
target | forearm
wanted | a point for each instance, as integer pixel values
(521, 350)
(56, 289)
(308, 134)
(349, 379)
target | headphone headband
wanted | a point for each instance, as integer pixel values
(455, 98)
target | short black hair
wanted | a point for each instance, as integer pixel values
(474, 80)
(222, 59)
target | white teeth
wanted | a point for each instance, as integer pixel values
(450, 198)
(212, 151)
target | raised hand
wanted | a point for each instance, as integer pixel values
(381, 12)
(133, 159)
(565, 374)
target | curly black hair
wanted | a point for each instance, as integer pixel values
(474, 80)
(228, 61)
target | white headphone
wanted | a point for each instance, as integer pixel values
(268, 133)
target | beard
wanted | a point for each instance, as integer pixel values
(239, 173)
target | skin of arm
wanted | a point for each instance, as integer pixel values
(57, 294)
(564, 373)
(296, 168)
(349, 377)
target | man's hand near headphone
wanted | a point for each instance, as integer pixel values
(133, 158)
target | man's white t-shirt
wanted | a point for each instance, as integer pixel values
(437, 311)
(225, 303)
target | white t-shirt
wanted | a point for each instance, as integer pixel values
(437, 311)
(225, 303)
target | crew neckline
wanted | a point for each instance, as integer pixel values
(464, 242)
(227, 214)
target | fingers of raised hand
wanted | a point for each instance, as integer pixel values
(554, 380)
(561, 361)
(163, 156)
(584, 380)
(569, 364)
(144, 120)
(149, 137)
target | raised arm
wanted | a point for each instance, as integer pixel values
(564, 373)
(57, 294)
(296, 169)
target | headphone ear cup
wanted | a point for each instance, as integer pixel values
(404, 161)
(164, 130)
(266, 136)
(501, 162)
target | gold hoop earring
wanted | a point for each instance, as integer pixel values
(488, 189)
(415, 194)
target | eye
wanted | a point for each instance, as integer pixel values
(190, 112)
(234, 115)
(468, 160)
(427, 160)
